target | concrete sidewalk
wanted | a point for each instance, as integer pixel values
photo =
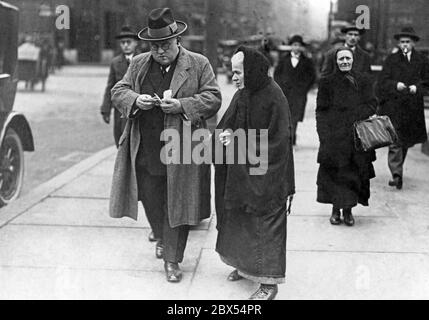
(59, 243)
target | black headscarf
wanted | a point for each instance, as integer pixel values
(256, 78)
(348, 75)
(256, 67)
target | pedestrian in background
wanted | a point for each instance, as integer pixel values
(402, 85)
(252, 209)
(295, 75)
(344, 174)
(362, 60)
(175, 196)
(128, 42)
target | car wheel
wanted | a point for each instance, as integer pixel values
(11, 167)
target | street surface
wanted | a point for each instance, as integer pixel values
(58, 242)
(65, 121)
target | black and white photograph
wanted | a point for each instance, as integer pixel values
(214, 150)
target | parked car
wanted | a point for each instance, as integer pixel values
(15, 133)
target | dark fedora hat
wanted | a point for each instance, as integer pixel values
(407, 32)
(127, 32)
(162, 26)
(352, 27)
(297, 38)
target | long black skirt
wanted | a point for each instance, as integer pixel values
(254, 244)
(344, 187)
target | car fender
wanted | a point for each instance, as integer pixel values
(19, 123)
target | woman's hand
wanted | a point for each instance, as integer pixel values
(225, 137)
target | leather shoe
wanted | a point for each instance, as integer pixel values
(234, 276)
(152, 237)
(335, 217)
(348, 218)
(396, 182)
(159, 250)
(265, 292)
(172, 272)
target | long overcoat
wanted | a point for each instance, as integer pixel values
(339, 106)
(188, 185)
(295, 83)
(404, 109)
(118, 68)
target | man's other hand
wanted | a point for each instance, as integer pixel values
(171, 106)
(413, 89)
(145, 102)
(106, 117)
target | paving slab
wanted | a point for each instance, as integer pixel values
(324, 275)
(90, 248)
(87, 186)
(104, 168)
(301, 207)
(336, 275)
(370, 234)
(64, 283)
(78, 212)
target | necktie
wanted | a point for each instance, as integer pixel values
(164, 70)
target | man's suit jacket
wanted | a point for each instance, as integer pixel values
(188, 185)
(361, 64)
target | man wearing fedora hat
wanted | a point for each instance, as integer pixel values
(295, 74)
(403, 82)
(166, 88)
(128, 41)
(361, 59)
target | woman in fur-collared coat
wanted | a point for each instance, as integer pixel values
(344, 175)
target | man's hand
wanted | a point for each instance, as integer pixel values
(106, 117)
(145, 102)
(171, 106)
(413, 89)
(401, 86)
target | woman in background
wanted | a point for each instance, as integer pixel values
(344, 175)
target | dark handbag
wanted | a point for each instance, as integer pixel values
(374, 133)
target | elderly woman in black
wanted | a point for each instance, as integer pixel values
(344, 175)
(252, 207)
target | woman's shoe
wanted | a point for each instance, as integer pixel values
(234, 276)
(265, 292)
(348, 217)
(335, 217)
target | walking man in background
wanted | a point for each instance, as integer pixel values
(175, 196)
(128, 41)
(295, 74)
(362, 60)
(403, 83)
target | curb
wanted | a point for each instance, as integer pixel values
(21, 205)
